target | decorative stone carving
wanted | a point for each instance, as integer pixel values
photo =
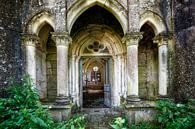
(30, 40)
(132, 38)
(160, 40)
(61, 38)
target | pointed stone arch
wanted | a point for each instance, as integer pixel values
(37, 35)
(81, 6)
(38, 20)
(105, 35)
(154, 20)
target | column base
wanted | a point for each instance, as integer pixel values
(62, 100)
(132, 99)
(162, 97)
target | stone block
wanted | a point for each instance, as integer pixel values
(60, 113)
(140, 111)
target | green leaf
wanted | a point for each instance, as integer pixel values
(41, 122)
(72, 127)
(115, 126)
(20, 121)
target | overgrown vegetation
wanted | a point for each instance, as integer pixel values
(119, 123)
(23, 110)
(76, 122)
(169, 116)
(177, 116)
(122, 123)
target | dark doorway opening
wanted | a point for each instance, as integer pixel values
(95, 84)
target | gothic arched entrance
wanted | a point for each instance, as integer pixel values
(95, 81)
(97, 59)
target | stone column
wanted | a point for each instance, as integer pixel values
(62, 41)
(162, 55)
(30, 42)
(74, 77)
(132, 40)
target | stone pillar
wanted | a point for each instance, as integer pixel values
(62, 41)
(115, 88)
(163, 56)
(30, 42)
(74, 77)
(132, 40)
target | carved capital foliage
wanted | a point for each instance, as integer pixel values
(162, 39)
(61, 38)
(132, 38)
(30, 40)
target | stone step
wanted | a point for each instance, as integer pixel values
(99, 118)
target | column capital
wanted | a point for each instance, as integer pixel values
(73, 57)
(161, 39)
(132, 38)
(30, 40)
(120, 54)
(61, 38)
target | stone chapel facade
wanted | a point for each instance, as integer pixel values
(128, 41)
(99, 53)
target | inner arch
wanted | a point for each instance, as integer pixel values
(99, 16)
(96, 39)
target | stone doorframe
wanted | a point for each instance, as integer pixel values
(116, 50)
(111, 82)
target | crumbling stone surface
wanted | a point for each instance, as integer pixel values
(10, 46)
(184, 84)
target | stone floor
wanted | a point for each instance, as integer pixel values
(99, 118)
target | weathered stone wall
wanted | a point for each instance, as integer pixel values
(51, 62)
(184, 15)
(11, 56)
(10, 46)
(159, 7)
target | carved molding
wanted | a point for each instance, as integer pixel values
(61, 38)
(34, 16)
(132, 38)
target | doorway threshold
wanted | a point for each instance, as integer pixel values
(95, 110)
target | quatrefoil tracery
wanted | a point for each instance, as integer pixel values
(96, 46)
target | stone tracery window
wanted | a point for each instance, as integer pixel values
(96, 46)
